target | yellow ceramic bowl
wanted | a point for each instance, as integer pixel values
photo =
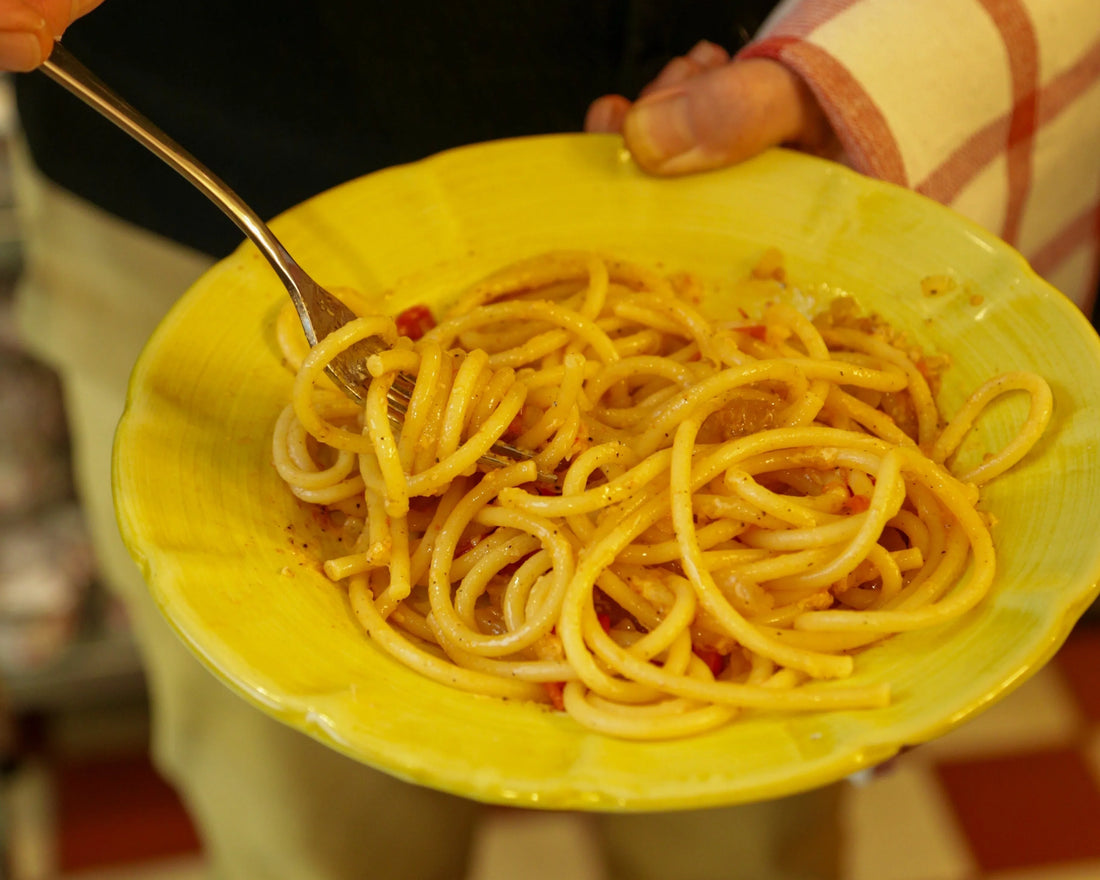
(230, 555)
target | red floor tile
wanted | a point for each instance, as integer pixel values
(1027, 809)
(1079, 661)
(118, 810)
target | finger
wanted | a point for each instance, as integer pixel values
(20, 17)
(723, 116)
(21, 51)
(25, 39)
(28, 29)
(606, 114)
(20, 46)
(59, 14)
(708, 54)
(703, 56)
(77, 9)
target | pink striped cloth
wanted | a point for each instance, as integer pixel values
(991, 107)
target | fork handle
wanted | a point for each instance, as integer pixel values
(65, 69)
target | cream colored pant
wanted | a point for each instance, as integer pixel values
(270, 803)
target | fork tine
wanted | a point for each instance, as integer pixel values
(400, 393)
(319, 310)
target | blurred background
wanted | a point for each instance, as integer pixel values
(1013, 795)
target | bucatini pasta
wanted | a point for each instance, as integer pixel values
(715, 517)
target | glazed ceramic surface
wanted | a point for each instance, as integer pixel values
(233, 559)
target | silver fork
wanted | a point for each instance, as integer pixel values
(319, 311)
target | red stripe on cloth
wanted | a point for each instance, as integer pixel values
(1022, 45)
(1069, 85)
(953, 174)
(857, 120)
(975, 153)
(1085, 227)
(1081, 231)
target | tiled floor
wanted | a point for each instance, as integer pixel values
(1013, 795)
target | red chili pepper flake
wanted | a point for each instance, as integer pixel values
(415, 321)
(555, 690)
(857, 504)
(465, 545)
(515, 427)
(715, 661)
(756, 331)
(543, 488)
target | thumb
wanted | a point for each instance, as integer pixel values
(724, 116)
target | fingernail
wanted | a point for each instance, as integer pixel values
(708, 53)
(606, 114)
(658, 128)
(21, 17)
(19, 51)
